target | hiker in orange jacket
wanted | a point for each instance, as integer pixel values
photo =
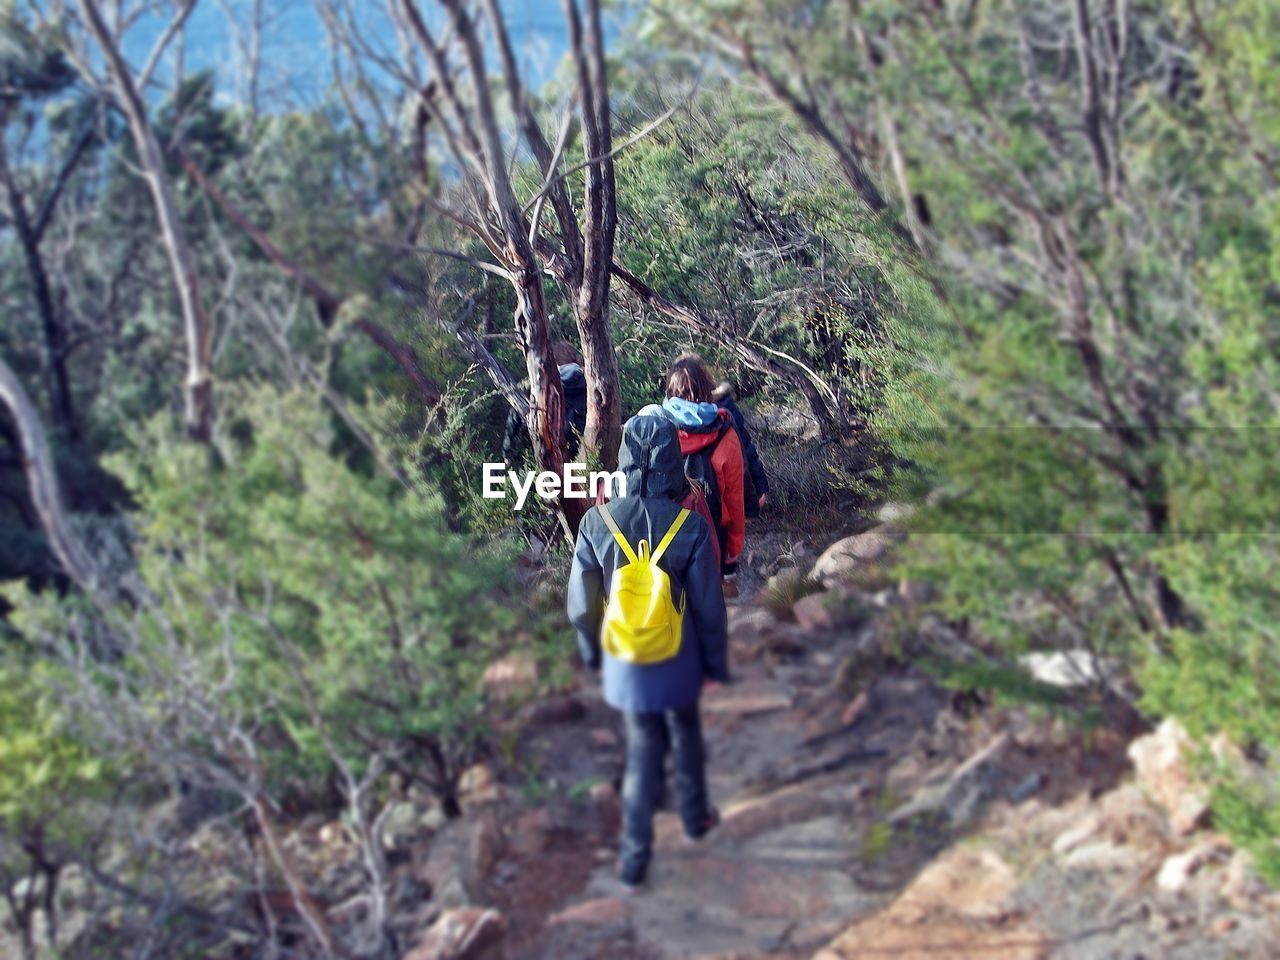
(712, 454)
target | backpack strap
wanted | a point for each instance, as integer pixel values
(676, 524)
(617, 534)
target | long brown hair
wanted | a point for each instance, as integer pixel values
(690, 379)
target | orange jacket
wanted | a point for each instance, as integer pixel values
(726, 460)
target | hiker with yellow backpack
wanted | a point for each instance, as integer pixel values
(645, 599)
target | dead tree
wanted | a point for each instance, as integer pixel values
(30, 226)
(197, 324)
(512, 232)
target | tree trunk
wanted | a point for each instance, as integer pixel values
(58, 384)
(42, 480)
(546, 392)
(603, 432)
(197, 324)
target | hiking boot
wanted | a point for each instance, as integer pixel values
(632, 873)
(730, 585)
(709, 823)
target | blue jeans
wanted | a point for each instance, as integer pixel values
(648, 737)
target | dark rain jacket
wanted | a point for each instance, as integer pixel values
(651, 460)
(574, 382)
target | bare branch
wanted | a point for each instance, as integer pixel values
(198, 327)
(162, 42)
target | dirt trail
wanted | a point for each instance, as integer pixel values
(780, 876)
(867, 812)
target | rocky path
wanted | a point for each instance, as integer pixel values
(867, 813)
(791, 770)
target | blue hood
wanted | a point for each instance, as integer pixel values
(690, 415)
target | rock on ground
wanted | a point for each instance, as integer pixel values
(467, 933)
(1160, 760)
(958, 907)
(844, 558)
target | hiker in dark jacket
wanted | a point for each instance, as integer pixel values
(757, 481)
(659, 701)
(574, 382)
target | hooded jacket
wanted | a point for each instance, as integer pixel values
(574, 383)
(651, 460)
(699, 425)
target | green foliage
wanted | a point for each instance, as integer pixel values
(46, 773)
(1102, 458)
(332, 608)
(1250, 815)
(1080, 530)
(733, 212)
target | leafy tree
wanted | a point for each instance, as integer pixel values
(291, 621)
(1104, 477)
(50, 784)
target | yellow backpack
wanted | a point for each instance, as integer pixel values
(641, 621)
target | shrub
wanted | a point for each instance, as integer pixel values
(50, 784)
(327, 610)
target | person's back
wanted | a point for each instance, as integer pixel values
(707, 434)
(658, 699)
(694, 499)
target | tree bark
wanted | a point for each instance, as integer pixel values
(58, 383)
(42, 479)
(546, 393)
(603, 432)
(1091, 110)
(474, 137)
(197, 324)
